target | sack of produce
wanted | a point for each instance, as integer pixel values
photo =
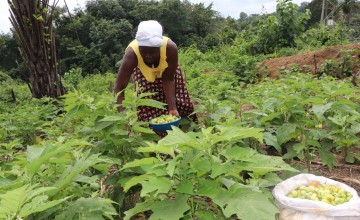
(310, 197)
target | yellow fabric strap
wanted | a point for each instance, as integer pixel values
(151, 73)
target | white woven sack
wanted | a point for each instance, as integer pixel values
(304, 209)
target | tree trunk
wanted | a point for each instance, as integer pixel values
(33, 28)
(322, 11)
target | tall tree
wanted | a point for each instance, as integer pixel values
(348, 7)
(8, 52)
(33, 28)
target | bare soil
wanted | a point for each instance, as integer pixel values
(342, 172)
(310, 62)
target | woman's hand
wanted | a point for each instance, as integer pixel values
(174, 112)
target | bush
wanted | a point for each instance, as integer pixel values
(98, 83)
(10, 87)
(72, 78)
(324, 36)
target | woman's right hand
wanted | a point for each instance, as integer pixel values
(174, 112)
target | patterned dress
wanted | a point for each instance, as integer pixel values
(183, 102)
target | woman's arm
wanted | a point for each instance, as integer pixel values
(168, 77)
(126, 68)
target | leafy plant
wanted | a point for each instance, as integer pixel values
(26, 200)
(201, 175)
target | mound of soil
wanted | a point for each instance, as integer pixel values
(312, 61)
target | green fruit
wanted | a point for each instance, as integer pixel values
(333, 195)
(163, 119)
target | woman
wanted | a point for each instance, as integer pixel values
(152, 62)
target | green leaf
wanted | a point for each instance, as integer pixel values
(88, 209)
(162, 210)
(157, 149)
(350, 159)
(319, 110)
(139, 207)
(242, 154)
(271, 140)
(284, 133)
(78, 110)
(345, 108)
(186, 187)
(170, 169)
(113, 118)
(141, 162)
(338, 120)
(319, 134)
(315, 100)
(37, 159)
(170, 209)
(100, 125)
(327, 157)
(209, 188)
(12, 201)
(39, 204)
(269, 180)
(176, 137)
(5, 182)
(151, 103)
(299, 147)
(355, 128)
(237, 133)
(134, 181)
(256, 162)
(138, 127)
(155, 184)
(26, 200)
(72, 171)
(201, 166)
(270, 104)
(346, 91)
(218, 169)
(269, 117)
(208, 215)
(38, 191)
(246, 204)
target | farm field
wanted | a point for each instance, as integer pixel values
(276, 96)
(82, 153)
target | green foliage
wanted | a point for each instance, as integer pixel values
(28, 120)
(340, 68)
(72, 78)
(88, 208)
(10, 88)
(97, 84)
(323, 36)
(244, 66)
(9, 53)
(26, 200)
(34, 182)
(281, 29)
(206, 168)
(205, 173)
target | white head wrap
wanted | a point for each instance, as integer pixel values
(149, 34)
